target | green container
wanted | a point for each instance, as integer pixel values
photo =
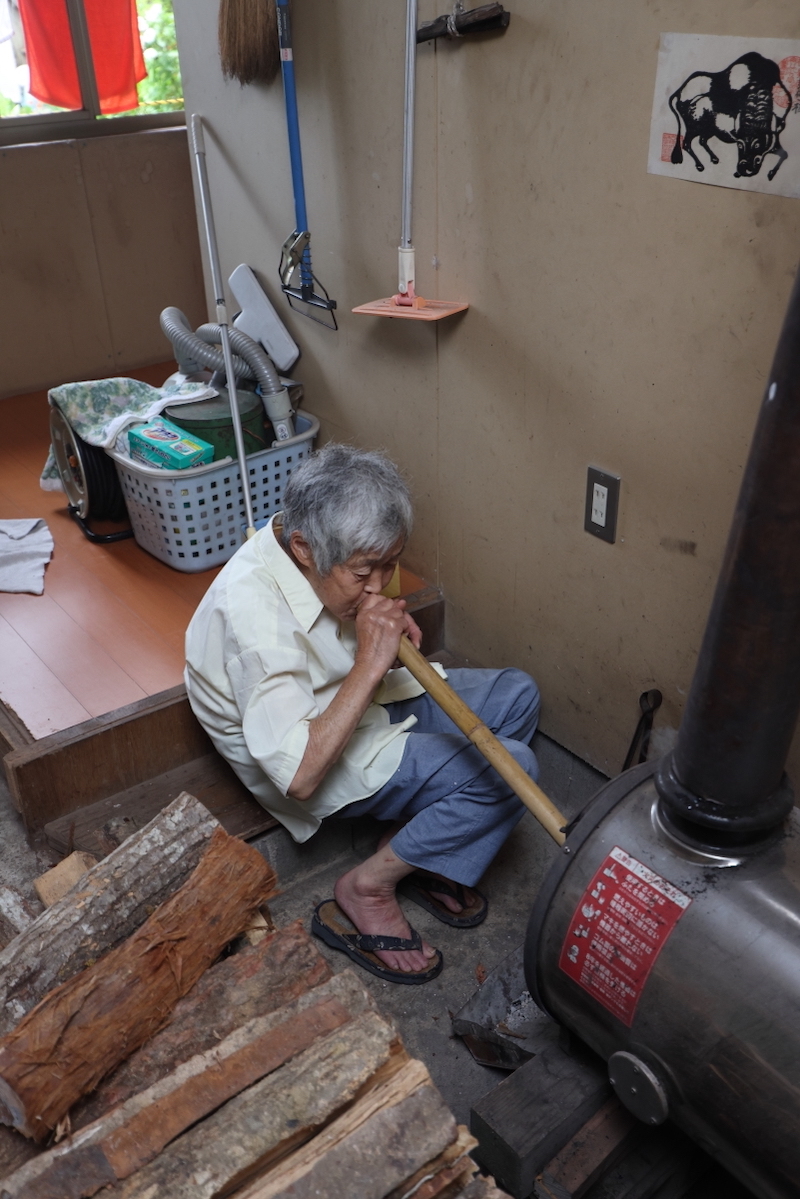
(211, 420)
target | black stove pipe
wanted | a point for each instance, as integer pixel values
(726, 773)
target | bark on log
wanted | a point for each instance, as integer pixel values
(269, 1119)
(16, 914)
(15, 1151)
(83, 1029)
(251, 983)
(109, 904)
(134, 1133)
(372, 1148)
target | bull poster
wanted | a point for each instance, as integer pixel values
(726, 111)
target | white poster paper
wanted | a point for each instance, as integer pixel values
(727, 111)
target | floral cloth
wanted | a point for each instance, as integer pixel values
(99, 411)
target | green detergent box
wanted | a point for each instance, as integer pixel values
(160, 443)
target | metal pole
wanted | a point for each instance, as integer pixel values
(727, 769)
(199, 148)
(408, 122)
(293, 131)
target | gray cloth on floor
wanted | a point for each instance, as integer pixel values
(26, 547)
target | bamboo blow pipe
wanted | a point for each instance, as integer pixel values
(484, 740)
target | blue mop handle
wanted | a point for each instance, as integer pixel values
(293, 129)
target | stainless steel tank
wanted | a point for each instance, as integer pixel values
(667, 935)
(688, 961)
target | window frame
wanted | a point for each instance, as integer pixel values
(83, 122)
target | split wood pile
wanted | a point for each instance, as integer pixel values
(84, 1028)
(167, 1070)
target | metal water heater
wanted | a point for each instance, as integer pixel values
(667, 934)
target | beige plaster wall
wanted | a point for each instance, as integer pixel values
(96, 237)
(617, 319)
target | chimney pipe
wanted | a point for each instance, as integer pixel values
(724, 782)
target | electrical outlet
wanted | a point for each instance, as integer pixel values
(602, 503)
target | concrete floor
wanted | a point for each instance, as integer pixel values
(423, 1013)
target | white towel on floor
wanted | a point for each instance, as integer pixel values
(26, 547)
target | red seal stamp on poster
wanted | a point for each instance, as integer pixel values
(622, 922)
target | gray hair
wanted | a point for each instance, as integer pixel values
(345, 501)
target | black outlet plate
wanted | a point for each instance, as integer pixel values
(607, 531)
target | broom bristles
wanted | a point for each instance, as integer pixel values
(248, 40)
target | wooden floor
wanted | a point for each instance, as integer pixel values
(109, 628)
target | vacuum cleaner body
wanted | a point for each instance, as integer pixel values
(682, 970)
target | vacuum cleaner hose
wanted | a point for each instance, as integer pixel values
(250, 361)
(191, 353)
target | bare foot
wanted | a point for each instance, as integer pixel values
(367, 896)
(448, 901)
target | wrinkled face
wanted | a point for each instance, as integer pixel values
(343, 590)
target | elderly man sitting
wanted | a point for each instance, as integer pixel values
(291, 668)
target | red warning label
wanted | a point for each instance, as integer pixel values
(619, 928)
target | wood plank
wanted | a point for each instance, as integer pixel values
(210, 779)
(524, 1121)
(382, 1140)
(239, 988)
(74, 657)
(132, 1134)
(14, 734)
(426, 605)
(115, 898)
(84, 1028)
(592, 1152)
(152, 661)
(99, 757)
(38, 699)
(55, 883)
(129, 571)
(272, 1117)
(663, 1165)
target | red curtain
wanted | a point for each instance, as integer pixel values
(116, 51)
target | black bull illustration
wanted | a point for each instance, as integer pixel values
(734, 105)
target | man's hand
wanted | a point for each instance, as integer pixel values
(380, 623)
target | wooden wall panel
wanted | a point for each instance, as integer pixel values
(95, 238)
(139, 195)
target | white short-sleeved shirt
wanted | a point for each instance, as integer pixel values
(264, 657)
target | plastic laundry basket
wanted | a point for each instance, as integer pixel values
(194, 519)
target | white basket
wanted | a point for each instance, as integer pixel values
(194, 519)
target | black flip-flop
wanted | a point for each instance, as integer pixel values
(330, 924)
(419, 888)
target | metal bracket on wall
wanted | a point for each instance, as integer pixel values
(458, 23)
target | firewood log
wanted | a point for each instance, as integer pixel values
(109, 904)
(131, 1135)
(250, 983)
(379, 1142)
(16, 914)
(270, 1118)
(84, 1028)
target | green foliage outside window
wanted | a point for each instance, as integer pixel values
(162, 90)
